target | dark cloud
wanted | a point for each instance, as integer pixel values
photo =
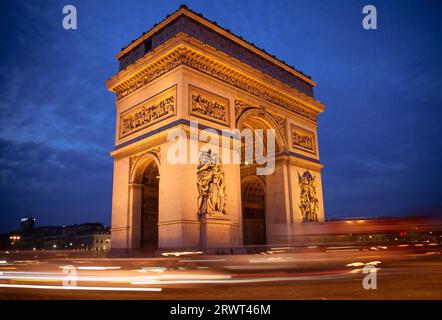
(379, 137)
(63, 186)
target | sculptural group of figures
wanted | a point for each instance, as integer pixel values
(208, 108)
(148, 114)
(302, 141)
(211, 185)
(309, 203)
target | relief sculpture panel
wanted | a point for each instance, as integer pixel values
(209, 106)
(153, 110)
(303, 139)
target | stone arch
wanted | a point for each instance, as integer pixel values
(247, 180)
(140, 163)
(259, 118)
(144, 201)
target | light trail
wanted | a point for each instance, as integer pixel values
(152, 269)
(355, 264)
(272, 259)
(29, 286)
(62, 278)
(183, 253)
(98, 268)
(174, 279)
(342, 250)
(202, 260)
(250, 280)
(127, 279)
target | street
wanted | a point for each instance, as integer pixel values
(402, 272)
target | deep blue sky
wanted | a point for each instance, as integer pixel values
(379, 138)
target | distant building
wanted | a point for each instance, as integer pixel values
(85, 236)
(75, 237)
(102, 241)
(27, 225)
(98, 241)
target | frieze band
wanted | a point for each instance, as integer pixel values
(185, 56)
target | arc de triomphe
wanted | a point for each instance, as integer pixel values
(188, 69)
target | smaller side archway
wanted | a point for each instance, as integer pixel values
(144, 203)
(253, 210)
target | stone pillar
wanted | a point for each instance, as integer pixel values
(120, 222)
(135, 203)
(277, 203)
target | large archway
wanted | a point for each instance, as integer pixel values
(253, 210)
(149, 207)
(256, 191)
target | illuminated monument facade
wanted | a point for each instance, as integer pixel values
(188, 69)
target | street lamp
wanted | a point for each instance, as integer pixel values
(14, 238)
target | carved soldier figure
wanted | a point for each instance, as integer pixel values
(309, 203)
(216, 191)
(211, 186)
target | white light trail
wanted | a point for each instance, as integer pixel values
(355, 264)
(152, 269)
(373, 263)
(202, 260)
(177, 254)
(98, 268)
(29, 286)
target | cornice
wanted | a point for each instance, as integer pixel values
(224, 32)
(183, 50)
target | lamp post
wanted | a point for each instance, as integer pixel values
(14, 239)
